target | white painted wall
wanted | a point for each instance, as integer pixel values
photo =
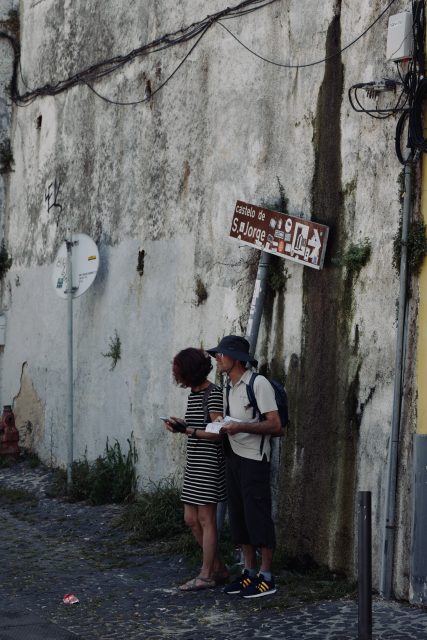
(164, 177)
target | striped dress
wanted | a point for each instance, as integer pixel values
(204, 477)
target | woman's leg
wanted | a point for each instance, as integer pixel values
(191, 519)
(207, 522)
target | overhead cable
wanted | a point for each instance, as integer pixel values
(316, 62)
(106, 67)
(197, 30)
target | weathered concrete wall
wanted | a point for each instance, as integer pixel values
(6, 65)
(163, 178)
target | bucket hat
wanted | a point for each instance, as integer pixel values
(234, 347)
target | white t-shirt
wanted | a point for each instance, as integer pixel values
(248, 445)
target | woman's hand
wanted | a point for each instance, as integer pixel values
(176, 425)
(168, 426)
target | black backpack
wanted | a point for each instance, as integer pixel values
(281, 400)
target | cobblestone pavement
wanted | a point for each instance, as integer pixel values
(50, 548)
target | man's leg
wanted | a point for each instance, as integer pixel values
(249, 555)
(266, 560)
(257, 501)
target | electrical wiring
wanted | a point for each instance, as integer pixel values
(99, 70)
(316, 62)
(410, 123)
(400, 128)
(123, 104)
(369, 87)
(416, 139)
(410, 100)
(195, 30)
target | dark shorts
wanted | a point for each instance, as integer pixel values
(249, 501)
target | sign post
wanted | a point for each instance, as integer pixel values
(70, 398)
(75, 269)
(257, 303)
(280, 234)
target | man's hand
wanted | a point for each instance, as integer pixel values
(231, 428)
(269, 426)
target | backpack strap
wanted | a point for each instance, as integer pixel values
(251, 396)
(252, 401)
(211, 386)
(227, 401)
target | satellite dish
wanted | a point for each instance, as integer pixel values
(85, 262)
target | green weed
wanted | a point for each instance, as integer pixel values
(355, 257)
(32, 459)
(110, 478)
(5, 260)
(6, 157)
(416, 246)
(16, 495)
(277, 274)
(156, 517)
(200, 291)
(156, 513)
(115, 352)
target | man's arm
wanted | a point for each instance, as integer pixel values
(270, 425)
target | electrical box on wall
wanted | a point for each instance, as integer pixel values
(400, 39)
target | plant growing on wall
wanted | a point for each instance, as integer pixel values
(355, 257)
(416, 246)
(277, 274)
(115, 352)
(6, 157)
(5, 260)
(11, 24)
(200, 291)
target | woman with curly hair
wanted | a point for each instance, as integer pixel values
(204, 477)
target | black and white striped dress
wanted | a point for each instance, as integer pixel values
(204, 477)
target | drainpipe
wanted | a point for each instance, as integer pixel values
(393, 450)
(418, 557)
(257, 304)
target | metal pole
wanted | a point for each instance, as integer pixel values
(257, 304)
(69, 242)
(365, 566)
(390, 506)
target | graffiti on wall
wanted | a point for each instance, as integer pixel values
(52, 199)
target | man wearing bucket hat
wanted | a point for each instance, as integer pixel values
(248, 464)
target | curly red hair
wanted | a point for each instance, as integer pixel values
(191, 367)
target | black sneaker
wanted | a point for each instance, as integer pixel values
(259, 587)
(242, 582)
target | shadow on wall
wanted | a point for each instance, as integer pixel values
(318, 471)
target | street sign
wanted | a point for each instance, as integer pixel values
(290, 237)
(85, 261)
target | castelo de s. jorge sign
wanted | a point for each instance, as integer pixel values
(291, 237)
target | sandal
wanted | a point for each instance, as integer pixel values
(197, 584)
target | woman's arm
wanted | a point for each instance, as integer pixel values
(201, 434)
